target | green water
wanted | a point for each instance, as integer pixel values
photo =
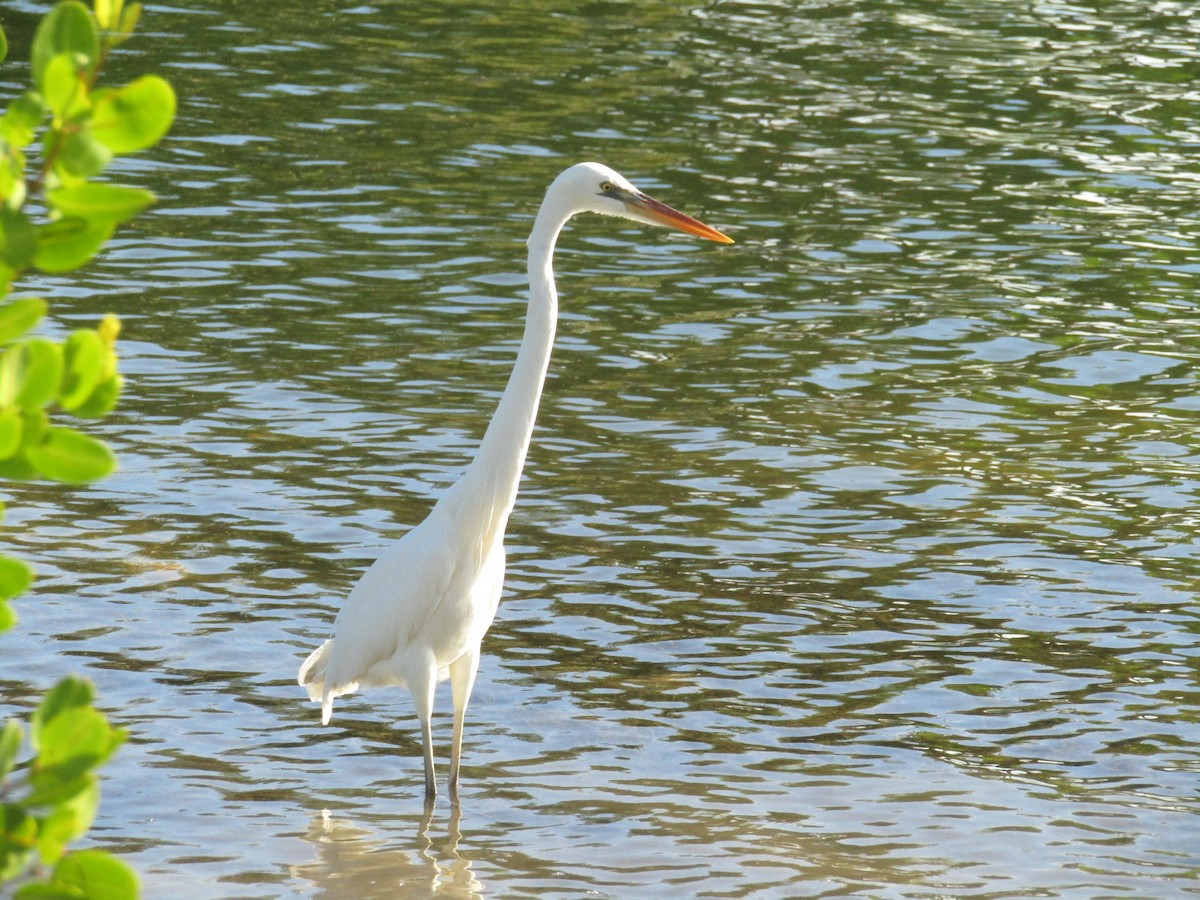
(854, 559)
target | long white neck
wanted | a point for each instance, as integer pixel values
(491, 479)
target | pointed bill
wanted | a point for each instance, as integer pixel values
(653, 211)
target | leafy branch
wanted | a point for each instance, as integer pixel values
(55, 219)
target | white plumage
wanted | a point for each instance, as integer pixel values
(419, 613)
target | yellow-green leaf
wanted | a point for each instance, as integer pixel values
(107, 13)
(67, 28)
(17, 827)
(64, 85)
(34, 423)
(11, 429)
(99, 875)
(22, 118)
(67, 694)
(69, 456)
(84, 805)
(83, 367)
(135, 116)
(102, 400)
(18, 239)
(50, 787)
(19, 316)
(57, 830)
(129, 18)
(81, 156)
(15, 577)
(17, 469)
(77, 733)
(11, 736)
(100, 201)
(68, 243)
(30, 373)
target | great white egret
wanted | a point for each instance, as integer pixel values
(419, 613)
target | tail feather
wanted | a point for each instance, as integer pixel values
(313, 678)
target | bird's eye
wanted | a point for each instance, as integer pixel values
(606, 186)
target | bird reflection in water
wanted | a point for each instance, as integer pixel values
(352, 861)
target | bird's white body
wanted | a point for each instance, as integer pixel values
(419, 613)
(420, 593)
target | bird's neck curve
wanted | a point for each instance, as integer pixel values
(492, 478)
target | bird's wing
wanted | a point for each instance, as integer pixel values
(390, 605)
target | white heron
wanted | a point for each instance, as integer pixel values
(419, 613)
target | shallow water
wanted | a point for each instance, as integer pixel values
(855, 558)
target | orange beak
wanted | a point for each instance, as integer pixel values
(652, 210)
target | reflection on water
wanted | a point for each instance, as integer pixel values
(354, 862)
(857, 558)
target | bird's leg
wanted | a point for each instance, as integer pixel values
(422, 684)
(462, 679)
(427, 743)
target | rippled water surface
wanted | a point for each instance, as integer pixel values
(857, 558)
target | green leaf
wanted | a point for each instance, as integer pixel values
(80, 733)
(19, 316)
(84, 805)
(68, 28)
(100, 201)
(103, 399)
(8, 618)
(40, 890)
(18, 833)
(17, 469)
(57, 830)
(3, 45)
(67, 821)
(19, 239)
(69, 456)
(82, 156)
(41, 365)
(13, 190)
(100, 875)
(22, 118)
(64, 85)
(10, 742)
(15, 577)
(11, 428)
(61, 784)
(34, 423)
(17, 827)
(30, 372)
(83, 367)
(107, 13)
(69, 243)
(129, 18)
(135, 116)
(70, 693)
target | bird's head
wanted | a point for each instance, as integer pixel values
(597, 188)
